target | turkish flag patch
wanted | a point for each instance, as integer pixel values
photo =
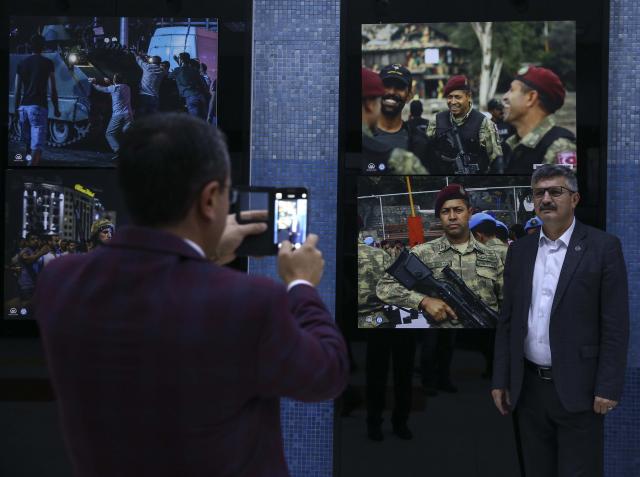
(567, 157)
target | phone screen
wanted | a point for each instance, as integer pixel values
(290, 217)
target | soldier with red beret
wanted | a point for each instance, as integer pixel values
(477, 134)
(377, 156)
(535, 95)
(479, 266)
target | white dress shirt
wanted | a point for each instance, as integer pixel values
(547, 269)
(198, 249)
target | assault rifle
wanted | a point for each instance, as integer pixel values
(414, 275)
(464, 164)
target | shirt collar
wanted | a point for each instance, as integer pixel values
(195, 246)
(564, 238)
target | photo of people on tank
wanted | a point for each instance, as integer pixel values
(468, 98)
(77, 83)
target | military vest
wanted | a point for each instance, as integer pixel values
(522, 158)
(375, 155)
(469, 132)
(416, 142)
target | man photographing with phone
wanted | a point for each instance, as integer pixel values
(163, 362)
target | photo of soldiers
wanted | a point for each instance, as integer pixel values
(58, 115)
(464, 140)
(390, 128)
(461, 74)
(463, 228)
(531, 102)
(379, 157)
(54, 213)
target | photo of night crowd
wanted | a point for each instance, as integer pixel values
(55, 214)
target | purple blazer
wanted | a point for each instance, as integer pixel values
(165, 364)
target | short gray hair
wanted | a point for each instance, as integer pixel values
(548, 171)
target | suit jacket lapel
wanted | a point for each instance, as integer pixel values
(575, 252)
(529, 265)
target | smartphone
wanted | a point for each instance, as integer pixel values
(284, 210)
(290, 216)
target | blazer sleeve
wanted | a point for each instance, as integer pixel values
(614, 323)
(301, 354)
(501, 360)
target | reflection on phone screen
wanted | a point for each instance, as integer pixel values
(290, 218)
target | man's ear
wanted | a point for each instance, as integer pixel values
(208, 200)
(575, 199)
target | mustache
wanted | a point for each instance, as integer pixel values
(548, 207)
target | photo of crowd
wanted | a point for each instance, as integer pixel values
(400, 214)
(468, 98)
(55, 214)
(76, 83)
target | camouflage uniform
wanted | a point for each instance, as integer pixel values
(488, 134)
(400, 161)
(557, 148)
(372, 263)
(479, 267)
(499, 247)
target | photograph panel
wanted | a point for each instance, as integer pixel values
(76, 83)
(468, 97)
(459, 227)
(50, 214)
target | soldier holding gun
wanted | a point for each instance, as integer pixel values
(479, 267)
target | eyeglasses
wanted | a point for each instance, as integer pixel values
(554, 191)
(233, 195)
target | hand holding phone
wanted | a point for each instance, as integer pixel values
(305, 263)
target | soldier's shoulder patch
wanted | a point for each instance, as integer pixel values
(489, 259)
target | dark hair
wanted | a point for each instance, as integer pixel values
(184, 57)
(502, 233)
(545, 102)
(486, 227)
(37, 43)
(117, 78)
(164, 161)
(166, 63)
(518, 230)
(547, 171)
(416, 108)
(156, 60)
(204, 67)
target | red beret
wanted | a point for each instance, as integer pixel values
(372, 86)
(459, 82)
(546, 83)
(452, 191)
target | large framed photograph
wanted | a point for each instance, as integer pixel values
(77, 83)
(53, 213)
(457, 246)
(472, 97)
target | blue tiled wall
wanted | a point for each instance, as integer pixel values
(623, 212)
(294, 142)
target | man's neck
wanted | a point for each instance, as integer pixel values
(527, 123)
(390, 124)
(555, 231)
(184, 231)
(459, 240)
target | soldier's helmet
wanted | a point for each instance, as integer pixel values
(101, 225)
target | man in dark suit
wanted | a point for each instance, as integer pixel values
(163, 362)
(561, 342)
